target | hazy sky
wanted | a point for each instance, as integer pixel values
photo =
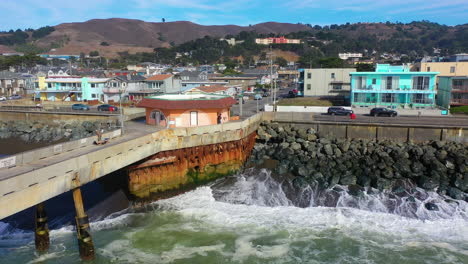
(36, 13)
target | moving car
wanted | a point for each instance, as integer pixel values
(338, 110)
(14, 97)
(3, 98)
(107, 107)
(80, 107)
(383, 112)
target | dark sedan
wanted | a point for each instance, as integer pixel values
(107, 107)
(383, 112)
(338, 110)
(80, 107)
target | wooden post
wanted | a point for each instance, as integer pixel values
(85, 242)
(41, 235)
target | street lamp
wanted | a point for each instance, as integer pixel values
(121, 110)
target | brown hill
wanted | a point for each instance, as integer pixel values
(137, 35)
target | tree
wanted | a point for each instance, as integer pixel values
(364, 67)
(331, 62)
(163, 20)
(94, 53)
(282, 62)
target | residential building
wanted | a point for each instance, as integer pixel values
(459, 57)
(192, 79)
(327, 83)
(280, 40)
(162, 84)
(187, 110)
(445, 68)
(71, 89)
(232, 41)
(213, 89)
(12, 83)
(348, 55)
(264, 76)
(128, 86)
(206, 68)
(244, 82)
(452, 91)
(394, 87)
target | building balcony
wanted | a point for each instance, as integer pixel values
(459, 102)
(111, 90)
(71, 90)
(394, 89)
(460, 89)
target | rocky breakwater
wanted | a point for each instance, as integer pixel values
(30, 131)
(315, 158)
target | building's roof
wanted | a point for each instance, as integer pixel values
(130, 78)
(187, 101)
(232, 78)
(212, 88)
(159, 77)
(9, 75)
(76, 80)
(394, 73)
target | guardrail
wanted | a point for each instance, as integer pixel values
(49, 151)
(59, 109)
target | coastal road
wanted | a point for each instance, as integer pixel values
(460, 121)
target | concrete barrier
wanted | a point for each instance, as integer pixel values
(400, 133)
(49, 151)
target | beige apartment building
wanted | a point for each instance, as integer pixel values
(327, 82)
(445, 68)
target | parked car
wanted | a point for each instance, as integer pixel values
(3, 98)
(338, 110)
(265, 94)
(80, 107)
(107, 107)
(14, 97)
(383, 112)
(291, 94)
(258, 97)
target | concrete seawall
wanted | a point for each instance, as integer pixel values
(53, 118)
(399, 133)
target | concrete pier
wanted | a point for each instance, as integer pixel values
(41, 234)
(83, 232)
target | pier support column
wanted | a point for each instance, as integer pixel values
(41, 234)
(85, 242)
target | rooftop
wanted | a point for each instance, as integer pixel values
(187, 101)
(159, 77)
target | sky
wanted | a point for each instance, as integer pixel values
(37, 13)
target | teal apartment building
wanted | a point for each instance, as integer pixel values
(453, 91)
(71, 89)
(393, 87)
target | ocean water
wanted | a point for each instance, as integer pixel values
(255, 218)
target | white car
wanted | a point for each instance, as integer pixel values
(3, 98)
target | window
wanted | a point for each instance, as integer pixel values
(389, 82)
(93, 95)
(452, 69)
(337, 87)
(332, 75)
(309, 86)
(360, 82)
(365, 98)
(309, 75)
(421, 83)
(421, 99)
(49, 85)
(388, 98)
(428, 69)
(93, 85)
(374, 81)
